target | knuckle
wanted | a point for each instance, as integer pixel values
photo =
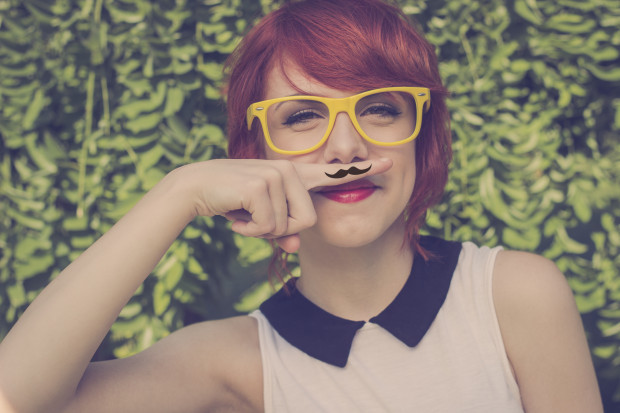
(286, 166)
(280, 229)
(272, 175)
(268, 226)
(257, 185)
(309, 220)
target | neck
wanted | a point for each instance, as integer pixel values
(355, 283)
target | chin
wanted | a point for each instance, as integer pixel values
(346, 233)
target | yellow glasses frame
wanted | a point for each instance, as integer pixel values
(421, 95)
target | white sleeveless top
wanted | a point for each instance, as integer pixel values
(460, 364)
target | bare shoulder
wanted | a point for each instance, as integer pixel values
(222, 354)
(208, 366)
(543, 335)
(527, 282)
(228, 352)
(228, 347)
(238, 334)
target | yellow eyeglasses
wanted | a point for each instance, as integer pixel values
(295, 125)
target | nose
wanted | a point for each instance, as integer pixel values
(345, 145)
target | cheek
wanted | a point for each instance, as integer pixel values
(404, 161)
(411, 166)
(408, 172)
(311, 157)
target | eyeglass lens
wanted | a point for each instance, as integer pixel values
(299, 124)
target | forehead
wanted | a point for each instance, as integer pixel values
(294, 81)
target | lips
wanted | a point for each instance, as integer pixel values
(350, 192)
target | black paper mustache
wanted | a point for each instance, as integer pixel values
(351, 171)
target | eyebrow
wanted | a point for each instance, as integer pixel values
(277, 105)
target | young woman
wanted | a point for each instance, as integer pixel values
(350, 148)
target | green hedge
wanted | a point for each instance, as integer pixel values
(100, 98)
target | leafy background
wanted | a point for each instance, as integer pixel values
(99, 99)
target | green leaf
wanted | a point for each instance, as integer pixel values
(491, 197)
(174, 101)
(568, 244)
(127, 328)
(82, 242)
(211, 70)
(253, 298)
(131, 310)
(527, 10)
(161, 299)
(528, 239)
(75, 223)
(144, 123)
(605, 352)
(150, 158)
(17, 294)
(609, 74)
(570, 23)
(582, 209)
(144, 106)
(25, 220)
(590, 302)
(33, 266)
(173, 276)
(39, 155)
(34, 109)
(28, 246)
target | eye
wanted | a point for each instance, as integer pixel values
(301, 117)
(381, 110)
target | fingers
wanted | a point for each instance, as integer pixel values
(264, 204)
(277, 195)
(300, 209)
(258, 204)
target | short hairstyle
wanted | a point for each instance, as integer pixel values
(352, 45)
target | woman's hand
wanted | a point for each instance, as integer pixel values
(267, 198)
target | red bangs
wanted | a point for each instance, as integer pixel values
(354, 46)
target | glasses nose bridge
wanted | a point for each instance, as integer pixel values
(342, 105)
(346, 105)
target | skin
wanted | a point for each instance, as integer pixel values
(215, 366)
(543, 335)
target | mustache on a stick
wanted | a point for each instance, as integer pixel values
(351, 171)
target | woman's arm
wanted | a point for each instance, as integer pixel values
(44, 357)
(543, 335)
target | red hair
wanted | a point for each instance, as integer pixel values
(353, 45)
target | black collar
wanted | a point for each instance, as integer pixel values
(328, 338)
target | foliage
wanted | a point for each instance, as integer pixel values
(100, 98)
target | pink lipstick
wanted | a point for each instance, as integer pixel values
(348, 193)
